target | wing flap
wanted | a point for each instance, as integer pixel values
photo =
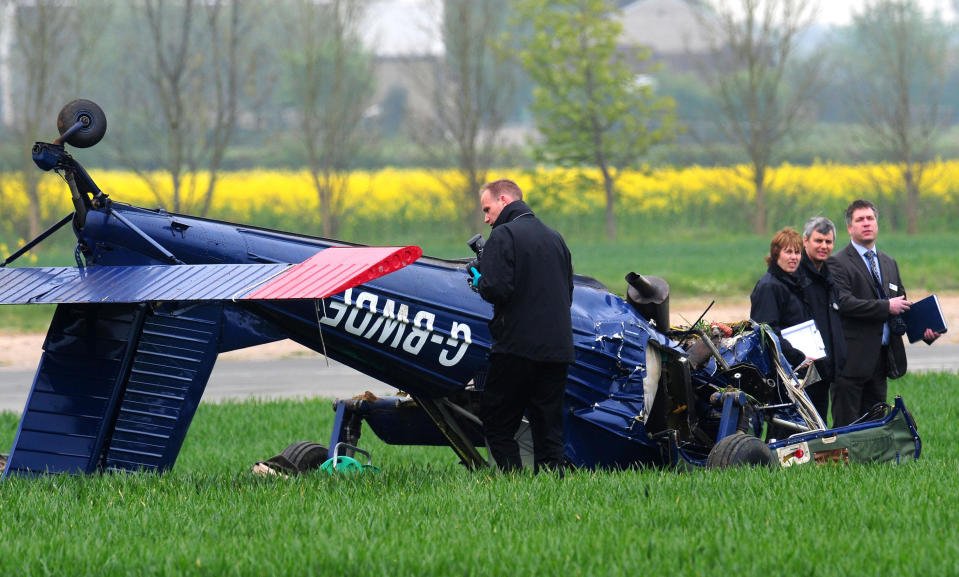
(334, 270)
(328, 272)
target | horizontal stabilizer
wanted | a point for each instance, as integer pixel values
(326, 273)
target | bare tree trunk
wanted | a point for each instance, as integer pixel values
(897, 78)
(761, 83)
(331, 87)
(597, 132)
(912, 200)
(31, 184)
(227, 89)
(760, 225)
(475, 178)
(472, 90)
(201, 54)
(609, 188)
(38, 47)
(169, 78)
(323, 197)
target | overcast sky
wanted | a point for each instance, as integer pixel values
(403, 27)
(412, 26)
(840, 11)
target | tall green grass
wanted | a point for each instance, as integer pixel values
(425, 515)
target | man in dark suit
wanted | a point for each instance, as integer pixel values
(871, 298)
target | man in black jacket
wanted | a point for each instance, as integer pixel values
(822, 301)
(526, 272)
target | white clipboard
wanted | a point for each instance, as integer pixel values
(805, 337)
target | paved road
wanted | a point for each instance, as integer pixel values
(937, 357)
(304, 377)
(276, 378)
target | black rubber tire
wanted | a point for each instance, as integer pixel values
(305, 455)
(90, 114)
(740, 449)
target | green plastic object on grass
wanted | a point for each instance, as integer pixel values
(347, 465)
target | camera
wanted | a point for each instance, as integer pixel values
(476, 244)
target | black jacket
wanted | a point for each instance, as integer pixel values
(528, 277)
(777, 300)
(822, 300)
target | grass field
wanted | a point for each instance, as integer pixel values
(720, 267)
(425, 515)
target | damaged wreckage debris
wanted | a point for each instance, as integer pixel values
(156, 296)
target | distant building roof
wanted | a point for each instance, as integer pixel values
(412, 27)
(668, 27)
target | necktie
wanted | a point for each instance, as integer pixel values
(874, 269)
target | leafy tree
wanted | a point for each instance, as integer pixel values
(896, 71)
(590, 104)
(762, 88)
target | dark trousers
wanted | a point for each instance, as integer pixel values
(516, 386)
(852, 398)
(819, 395)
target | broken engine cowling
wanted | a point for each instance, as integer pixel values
(649, 296)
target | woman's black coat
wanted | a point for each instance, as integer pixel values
(777, 300)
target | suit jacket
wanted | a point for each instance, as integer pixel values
(864, 314)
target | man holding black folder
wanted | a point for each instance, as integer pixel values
(871, 298)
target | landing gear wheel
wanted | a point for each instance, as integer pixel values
(90, 115)
(740, 449)
(301, 457)
(305, 455)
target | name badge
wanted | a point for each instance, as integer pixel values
(893, 288)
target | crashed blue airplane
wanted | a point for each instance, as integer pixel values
(156, 296)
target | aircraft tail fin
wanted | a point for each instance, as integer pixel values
(117, 388)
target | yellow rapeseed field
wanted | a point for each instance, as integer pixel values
(416, 195)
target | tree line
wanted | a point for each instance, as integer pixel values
(192, 87)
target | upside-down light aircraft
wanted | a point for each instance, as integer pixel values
(156, 296)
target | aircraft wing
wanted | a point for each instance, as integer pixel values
(119, 381)
(326, 273)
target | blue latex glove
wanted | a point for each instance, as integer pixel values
(476, 276)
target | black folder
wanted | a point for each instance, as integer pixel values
(922, 315)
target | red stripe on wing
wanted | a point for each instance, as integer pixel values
(334, 270)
